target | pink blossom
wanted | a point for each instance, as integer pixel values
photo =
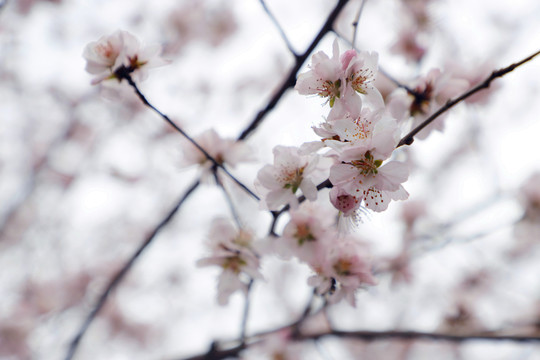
(343, 270)
(430, 93)
(361, 174)
(307, 234)
(408, 45)
(120, 49)
(224, 151)
(325, 77)
(360, 69)
(372, 129)
(343, 201)
(291, 171)
(231, 249)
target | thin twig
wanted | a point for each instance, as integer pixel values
(356, 22)
(279, 28)
(409, 138)
(123, 271)
(398, 83)
(228, 198)
(124, 73)
(245, 313)
(290, 81)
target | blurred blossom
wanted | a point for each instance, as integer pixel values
(202, 21)
(231, 249)
(120, 50)
(430, 92)
(227, 152)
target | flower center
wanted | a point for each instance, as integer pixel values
(368, 165)
(292, 178)
(331, 90)
(303, 234)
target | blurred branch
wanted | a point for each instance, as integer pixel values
(409, 138)
(233, 352)
(416, 335)
(245, 313)
(124, 73)
(356, 22)
(124, 270)
(290, 81)
(279, 28)
(398, 84)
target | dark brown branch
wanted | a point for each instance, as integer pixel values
(124, 270)
(291, 78)
(245, 313)
(124, 73)
(409, 138)
(215, 354)
(416, 335)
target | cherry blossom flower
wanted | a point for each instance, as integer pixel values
(341, 77)
(231, 249)
(291, 171)
(430, 93)
(325, 77)
(361, 173)
(308, 233)
(343, 270)
(224, 151)
(360, 69)
(120, 50)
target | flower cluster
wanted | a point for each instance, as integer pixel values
(360, 133)
(340, 261)
(231, 249)
(120, 51)
(292, 170)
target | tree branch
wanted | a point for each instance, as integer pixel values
(379, 335)
(416, 335)
(290, 81)
(124, 73)
(409, 138)
(357, 22)
(123, 271)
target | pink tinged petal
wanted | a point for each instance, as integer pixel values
(342, 173)
(376, 200)
(392, 174)
(228, 283)
(307, 84)
(346, 58)
(277, 198)
(267, 177)
(309, 189)
(344, 202)
(374, 97)
(399, 194)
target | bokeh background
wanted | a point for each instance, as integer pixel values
(85, 179)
